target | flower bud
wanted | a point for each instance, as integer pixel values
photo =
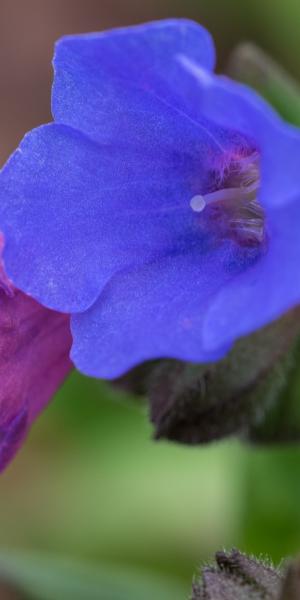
(199, 403)
(239, 577)
(250, 392)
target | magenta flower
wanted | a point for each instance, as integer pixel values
(34, 360)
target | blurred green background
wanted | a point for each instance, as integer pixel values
(90, 484)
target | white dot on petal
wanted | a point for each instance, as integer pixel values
(197, 203)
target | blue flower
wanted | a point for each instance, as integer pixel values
(161, 208)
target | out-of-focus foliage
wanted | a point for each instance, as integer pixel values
(91, 483)
(250, 65)
(48, 578)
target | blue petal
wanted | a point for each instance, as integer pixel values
(74, 212)
(232, 105)
(153, 312)
(263, 292)
(95, 74)
(191, 307)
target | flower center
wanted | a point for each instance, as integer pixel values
(235, 206)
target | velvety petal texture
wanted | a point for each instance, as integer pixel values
(161, 208)
(102, 80)
(86, 195)
(150, 312)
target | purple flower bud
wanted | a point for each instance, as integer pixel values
(239, 577)
(34, 360)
